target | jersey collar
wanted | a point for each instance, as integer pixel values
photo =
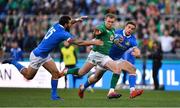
(61, 25)
(125, 34)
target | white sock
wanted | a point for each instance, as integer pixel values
(111, 90)
(82, 87)
(132, 89)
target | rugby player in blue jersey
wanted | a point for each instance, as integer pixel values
(124, 41)
(40, 56)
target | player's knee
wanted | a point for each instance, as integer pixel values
(29, 77)
(79, 75)
(55, 75)
(96, 78)
(133, 70)
(117, 70)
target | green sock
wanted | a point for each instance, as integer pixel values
(73, 71)
(114, 80)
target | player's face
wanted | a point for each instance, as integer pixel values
(68, 26)
(109, 22)
(129, 29)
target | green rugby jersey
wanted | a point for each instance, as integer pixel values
(107, 36)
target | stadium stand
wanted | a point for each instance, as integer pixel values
(26, 21)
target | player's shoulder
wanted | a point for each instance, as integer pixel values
(101, 26)
(119, 31)
(57, 26)
(133, 36)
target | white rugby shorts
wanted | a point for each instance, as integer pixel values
(36, 62)
(97, 58)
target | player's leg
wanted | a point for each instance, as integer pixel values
(127, 66)
(29, 72)
(90, 63)
(51, 67)
(124, 76)
(112, 65)
(79, 72)
(85, 69)
(112, 94)
(92, 79)
(90, 88)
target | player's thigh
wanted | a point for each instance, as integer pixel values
(113, 66)
(86, 68)
(127, 66)
(51, 67)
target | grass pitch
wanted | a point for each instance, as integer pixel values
(20, 97)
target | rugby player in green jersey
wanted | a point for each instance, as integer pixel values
(99, 54)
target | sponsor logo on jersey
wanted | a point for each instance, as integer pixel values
(111, 38)
(127, 43)
(121, 39)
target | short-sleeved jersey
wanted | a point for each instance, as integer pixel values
(127, 42)
(107, 36)
(55, 35)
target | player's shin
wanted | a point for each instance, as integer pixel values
(114, 81)
(54, 83)
(18, 65)
(112, 94)
(91, 80)
(132, 81)
(73, 71)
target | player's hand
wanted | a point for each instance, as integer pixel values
(98, 42)
(116, 41)
(96, 32)
(80, 19)
(136, 52)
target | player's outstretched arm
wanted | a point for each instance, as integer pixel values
(80, 19)
(88, 42)
(136, 52)
(96, 32)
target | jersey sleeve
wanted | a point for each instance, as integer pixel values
(118, 36)
(133, 42)
(69, 37)
(100, 28)
(118, 31)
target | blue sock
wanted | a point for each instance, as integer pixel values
(17, 65)
(54, 84)
(132, 80)
(87, 84)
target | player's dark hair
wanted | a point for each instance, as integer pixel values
(132, 23)
(64, 19)
(110, 15)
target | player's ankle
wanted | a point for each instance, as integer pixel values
(82, 87)
(132, 89)
(111, 90)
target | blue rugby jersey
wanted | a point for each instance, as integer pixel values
(127, 42)
(55, 35)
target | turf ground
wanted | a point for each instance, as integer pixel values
(19, 97)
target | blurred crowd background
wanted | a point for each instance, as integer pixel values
(23, 23)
